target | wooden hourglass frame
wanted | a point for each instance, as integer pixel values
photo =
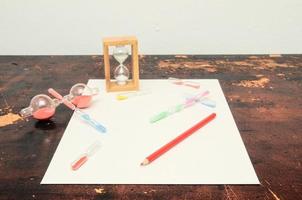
(133, 84)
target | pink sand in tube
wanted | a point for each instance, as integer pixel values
(44, 113)
(82, 101)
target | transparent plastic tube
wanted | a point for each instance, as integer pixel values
(179, 107)
(127, 95)
(191, 84)
(82, 159)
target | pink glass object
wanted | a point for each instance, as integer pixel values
(44, 113)
(41, 107)
(191, 101)
(191, 84)
(78, 163)
(90, 151)
(82, 101)
(81, 95)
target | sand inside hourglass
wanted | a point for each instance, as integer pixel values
(121, 79)
(121, 75)
(82, 101)
(121, 57)
(44, 113)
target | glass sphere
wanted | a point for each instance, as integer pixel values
(81, 95)
(41, 101)
(41, 107)
(78, 89)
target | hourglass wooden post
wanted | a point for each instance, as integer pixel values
(127, 85)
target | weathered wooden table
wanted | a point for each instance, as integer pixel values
(264, 94)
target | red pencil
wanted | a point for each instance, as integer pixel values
(178, 139)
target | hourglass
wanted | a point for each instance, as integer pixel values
(124, 79)
(121, 73)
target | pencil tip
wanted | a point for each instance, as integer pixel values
(145, 162)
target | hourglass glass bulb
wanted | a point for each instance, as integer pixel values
(81, 95)
(120, 53)
(41, 107)
(121, 74)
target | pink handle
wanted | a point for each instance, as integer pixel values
(58, 96)
(55, 93)
(193, 100)
(192, 85)
(202, 94)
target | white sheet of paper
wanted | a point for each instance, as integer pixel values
(215, 154)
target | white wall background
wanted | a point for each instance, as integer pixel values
(75, 27)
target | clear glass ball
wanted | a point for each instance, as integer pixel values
(78, 89)
(41, 101)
